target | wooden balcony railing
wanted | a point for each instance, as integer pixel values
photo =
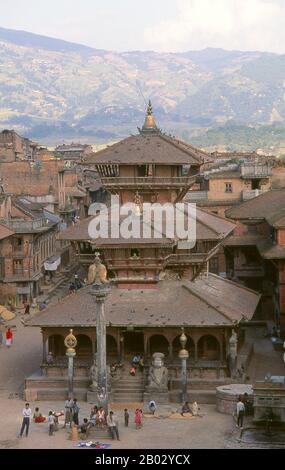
(153, 181)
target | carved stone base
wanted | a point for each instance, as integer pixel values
(160, 397)
(92, 397)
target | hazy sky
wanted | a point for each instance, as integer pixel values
(162, 25)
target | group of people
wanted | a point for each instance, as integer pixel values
(137, 363)
(52, 420)
(8, 337)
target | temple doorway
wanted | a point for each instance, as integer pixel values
(158, 343)
(111, 346)
(84, 346)
(133, 343)
(56, 345)
(208, 348)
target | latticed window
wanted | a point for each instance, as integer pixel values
(229, 187)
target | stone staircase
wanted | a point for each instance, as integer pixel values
(128, 389)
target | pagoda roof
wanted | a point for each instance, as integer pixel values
(208, 227)
(208, 301)
(147, 149)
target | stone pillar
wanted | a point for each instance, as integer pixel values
(196, 350)
(45, 339)
(70, 343)
(100, 291)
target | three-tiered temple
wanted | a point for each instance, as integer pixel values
(159, 284)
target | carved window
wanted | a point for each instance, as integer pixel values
(228, 187)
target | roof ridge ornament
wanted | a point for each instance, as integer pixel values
(149, 127)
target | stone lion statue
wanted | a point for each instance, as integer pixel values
(158, 373)
(97, 272)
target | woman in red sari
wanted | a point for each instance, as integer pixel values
(138, 418)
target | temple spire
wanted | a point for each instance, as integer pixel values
(149, 126)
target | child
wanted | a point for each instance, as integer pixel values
(50, 423)
(126, 415)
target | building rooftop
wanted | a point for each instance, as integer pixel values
(268, 206)
(208, 227)
(209, 301)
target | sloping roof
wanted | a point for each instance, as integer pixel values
(208, 227)
(268, 206)
(243, 240)
(140, 149)
(211, 301)
(5, 232)
(269, 250)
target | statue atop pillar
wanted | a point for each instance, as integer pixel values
(97, 272)
(158, 373)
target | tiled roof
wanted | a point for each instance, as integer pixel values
(268, 206)
(139, 149)
(210, 301)
(208, 227)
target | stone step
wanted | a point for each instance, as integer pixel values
(53, 394)
(54, 383)
(97, 433)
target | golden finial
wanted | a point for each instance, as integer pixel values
(70, 342)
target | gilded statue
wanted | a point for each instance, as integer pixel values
(97, 272)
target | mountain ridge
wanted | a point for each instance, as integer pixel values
(51, 87)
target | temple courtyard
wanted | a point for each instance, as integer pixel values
(212, 430)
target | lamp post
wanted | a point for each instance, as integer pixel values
(97, 276)
(70, 343)
(183, 355)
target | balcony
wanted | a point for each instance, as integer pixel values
(255, 170)
(246, 195)
(136, 182)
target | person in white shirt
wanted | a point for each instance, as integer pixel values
(26, 419)
(240, 413)
(51, 422)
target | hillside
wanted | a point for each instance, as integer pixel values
(54, 89)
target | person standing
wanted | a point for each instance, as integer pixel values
(126, 416)
(1, 337)
(138, 418)
(27, 309)
(68, 404)
(26, 420)
(113, 425)
(75, 412)
(240, 413)
(51, 422)
(9, 337)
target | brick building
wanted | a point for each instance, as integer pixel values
(13, 147)
(255, 252)
(27, 241)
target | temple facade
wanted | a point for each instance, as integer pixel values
(159, 284)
